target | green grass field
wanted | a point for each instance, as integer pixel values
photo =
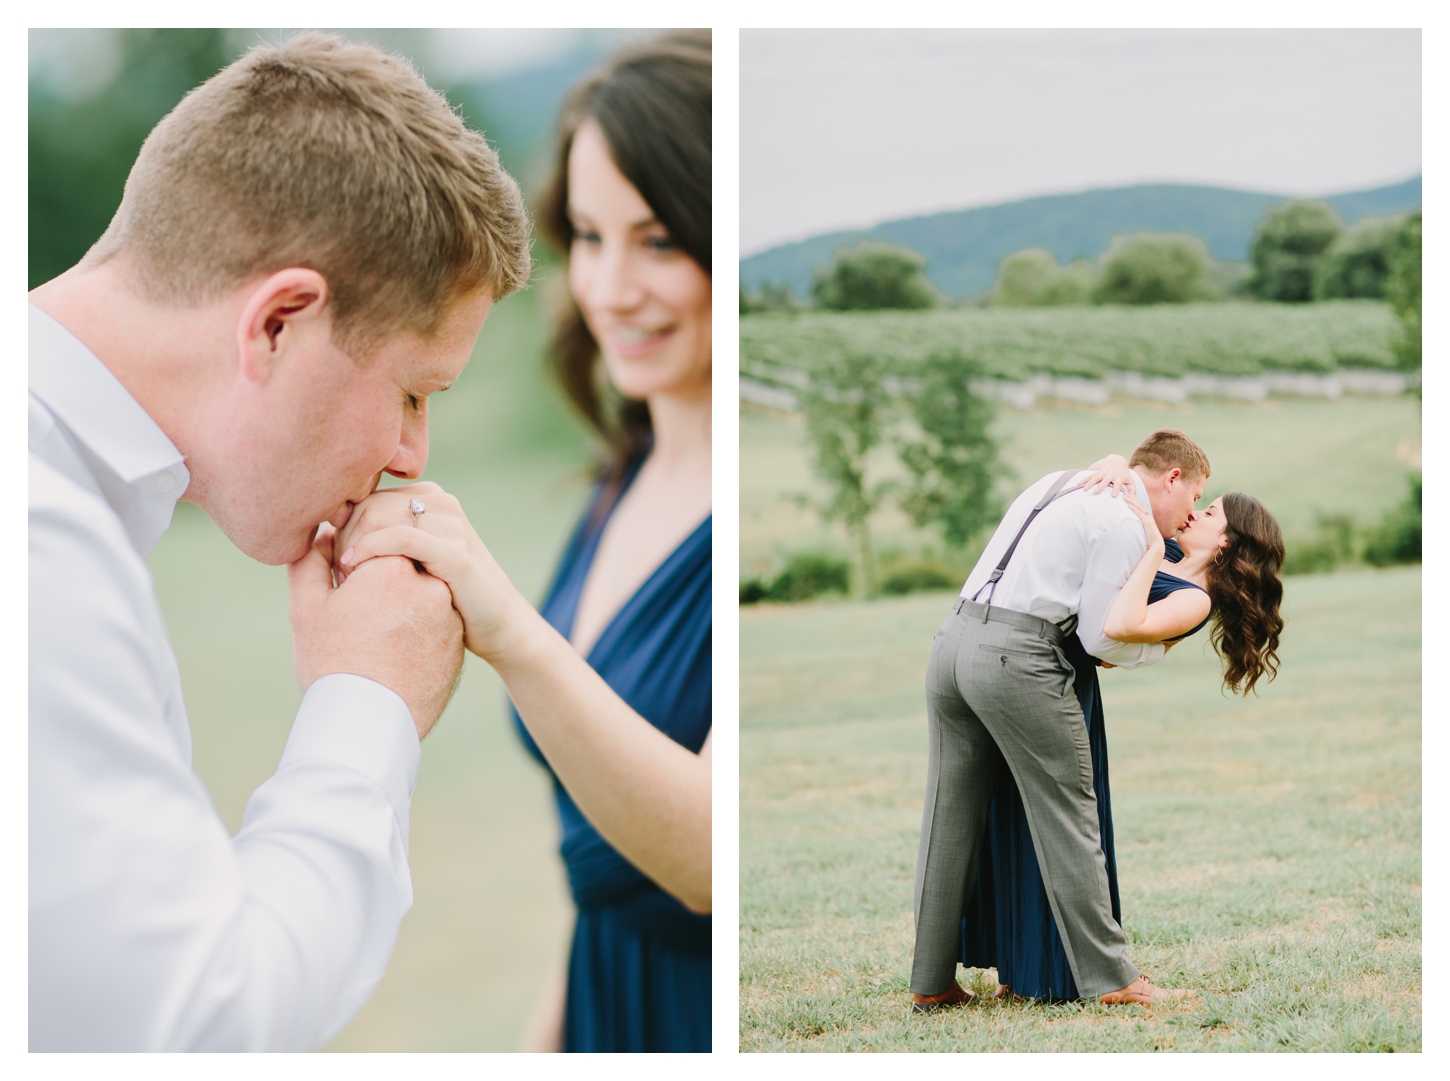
(490, 921)
(1163, 339)
(1268, 849)
(1298, 456)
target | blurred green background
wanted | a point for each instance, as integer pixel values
(491, 917)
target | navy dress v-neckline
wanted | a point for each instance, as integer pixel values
(1008, 923)
(639, 964)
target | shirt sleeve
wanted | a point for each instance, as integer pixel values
(149, 927)
(1111, 557)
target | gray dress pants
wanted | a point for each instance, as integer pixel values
(1003, 684)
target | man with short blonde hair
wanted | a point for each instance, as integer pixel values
(319, 153)
(307, 249)
(1167, 449)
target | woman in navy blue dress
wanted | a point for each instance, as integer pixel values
(1226, 567)
(611, 679)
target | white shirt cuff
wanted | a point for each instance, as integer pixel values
(358, 723)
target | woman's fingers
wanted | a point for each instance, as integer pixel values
(398, 540)
(391, 506)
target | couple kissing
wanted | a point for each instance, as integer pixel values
(1107, 566)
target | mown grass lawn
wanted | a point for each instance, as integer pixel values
(1268, 850)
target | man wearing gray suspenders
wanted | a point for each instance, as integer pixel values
(1000, 681)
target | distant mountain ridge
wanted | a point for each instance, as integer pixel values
(964, 246)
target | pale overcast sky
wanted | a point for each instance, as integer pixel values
(845, 129)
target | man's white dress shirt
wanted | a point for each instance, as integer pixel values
(1075, 557)
(150, 927)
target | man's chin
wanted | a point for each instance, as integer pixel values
(277, 551)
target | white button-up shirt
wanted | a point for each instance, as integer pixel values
(150, 927)
(1074, 557)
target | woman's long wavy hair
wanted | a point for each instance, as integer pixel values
(652, 103)
(1244, 585)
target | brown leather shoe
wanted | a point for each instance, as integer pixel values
(1142, 992)
(955, 995)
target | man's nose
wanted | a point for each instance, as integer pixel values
(411, 454)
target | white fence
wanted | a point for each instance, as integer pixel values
(781, 393)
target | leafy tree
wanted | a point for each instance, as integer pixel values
(1032, 278)
(1402, 289)
(1289, 241)
(871, 275)
(1074, 284)
(1023, 277)
(954, 464)
(846, 408)
(1357, 264)
(1154, 268)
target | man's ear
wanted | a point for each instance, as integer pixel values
(1171, 478)
(275, 314)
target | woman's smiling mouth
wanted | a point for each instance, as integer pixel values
(636, 341)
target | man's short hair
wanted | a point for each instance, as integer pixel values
(1168, 449)
(324, 154)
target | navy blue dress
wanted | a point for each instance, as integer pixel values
(639, 965)
(1008, 924)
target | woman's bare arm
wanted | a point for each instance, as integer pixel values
(647, 795)
(1131, 618)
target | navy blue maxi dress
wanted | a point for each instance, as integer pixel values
(639, 965)
(1008, 924)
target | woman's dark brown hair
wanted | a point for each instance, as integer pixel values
(1244, 585)
(652, 103)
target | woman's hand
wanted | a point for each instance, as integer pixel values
(1131, 618)
(1150, 527)
(447, 547)
(1111, 473)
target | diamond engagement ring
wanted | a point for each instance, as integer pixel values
(417, 506)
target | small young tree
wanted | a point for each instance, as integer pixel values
(954, 463)
(871, 276)
(1154, 268)
(1288, 242)
(846, 409)
(1402, 289)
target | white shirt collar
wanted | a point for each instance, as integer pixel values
(147, 473)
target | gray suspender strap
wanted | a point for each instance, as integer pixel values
(1052, 493)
